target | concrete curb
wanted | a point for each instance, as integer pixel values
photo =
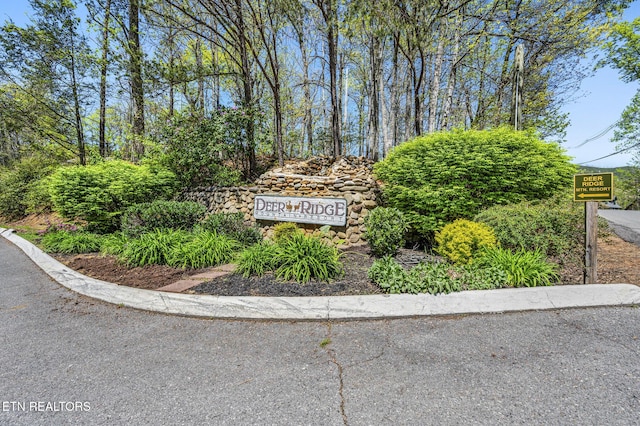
(332, 307)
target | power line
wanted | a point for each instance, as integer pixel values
(597, 136)
(611, 155)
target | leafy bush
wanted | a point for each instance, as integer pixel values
(197, 147)
(463, 239)
(482, 277)
(285, 230)
(233, 226)
(100, 193)
(444, 176)
(145, 217)
(68, 242)
(434, 278)
(524, 268)
(154, 248)
(302, 258)
(20, 186)
(385, 228)
(554, 226)
(257, 259)
(389, 275)
(205, 249)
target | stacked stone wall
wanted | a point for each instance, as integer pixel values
(349, 178)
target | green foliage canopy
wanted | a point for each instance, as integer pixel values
(444, 176)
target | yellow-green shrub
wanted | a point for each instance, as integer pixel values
(463, 239)
(285, 230)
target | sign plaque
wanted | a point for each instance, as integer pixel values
(322, 211)
(593, 187)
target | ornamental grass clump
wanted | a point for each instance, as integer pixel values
(203, 250)
(71, 242)
(257, 260)
(524, 268)
(154, 248)
(463, 240)
(303, 258)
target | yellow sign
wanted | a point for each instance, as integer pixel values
(593, 187)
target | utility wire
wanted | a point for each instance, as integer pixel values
(612, 154)
(597, 136)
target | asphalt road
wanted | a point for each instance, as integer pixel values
(625, 223)
(121, 366)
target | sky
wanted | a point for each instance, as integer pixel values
(599, 104)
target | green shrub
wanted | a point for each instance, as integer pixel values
(554, 226)
(389, 275)
(485, 277)
(463, 239)
(524, 268)
(69, 242)
(385, 229)
(197, 147)
(145, 217)
(233, 226)
(257, 259)
(154, 248)
(100, 193)
(443, 176)
(434, 278)
(302, 258)
(285, 230)
(20, 186)
(205, 249)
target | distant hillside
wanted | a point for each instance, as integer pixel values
(615, 170)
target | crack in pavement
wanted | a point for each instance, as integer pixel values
(334, 360)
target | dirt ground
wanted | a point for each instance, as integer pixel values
(618, 262)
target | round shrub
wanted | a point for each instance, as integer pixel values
(385, 229)
(463, 240)
(437, 178)
(145, 217)
(285, 230)
(99, 194)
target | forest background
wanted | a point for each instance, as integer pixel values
(285, 78)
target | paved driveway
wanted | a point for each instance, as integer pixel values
(125, 366)
(625, 223)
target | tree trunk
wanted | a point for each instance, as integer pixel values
(332, 41)
(137, 89)
(434, 90)
(247, 86)
(102, 141)
(76, 107)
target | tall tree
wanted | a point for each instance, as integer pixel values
(48, 61)
(623, 50)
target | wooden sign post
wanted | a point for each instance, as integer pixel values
(591, 189)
